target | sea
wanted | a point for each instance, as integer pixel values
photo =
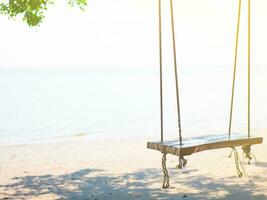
(49, 104)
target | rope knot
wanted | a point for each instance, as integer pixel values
(247, 153)
(182, 162)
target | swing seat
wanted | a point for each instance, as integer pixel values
(203, 143)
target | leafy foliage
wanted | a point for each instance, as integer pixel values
(32, 11)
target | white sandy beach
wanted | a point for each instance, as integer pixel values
(123, 169)
(83, 92)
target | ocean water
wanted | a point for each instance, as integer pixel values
(38, 105)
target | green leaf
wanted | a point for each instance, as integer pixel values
(32, 11)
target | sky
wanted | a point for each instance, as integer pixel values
(124, 33)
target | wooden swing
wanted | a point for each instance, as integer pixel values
(184, 147)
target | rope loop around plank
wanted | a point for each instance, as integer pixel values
(247, 154)
(182, 162)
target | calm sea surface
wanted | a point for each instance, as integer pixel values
(39, 105)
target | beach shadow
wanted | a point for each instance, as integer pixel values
(94, 184)
(261, 164)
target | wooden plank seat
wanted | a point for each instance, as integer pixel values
(203, 143)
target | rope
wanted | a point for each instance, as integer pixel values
(249, 17)
(238, 163)
(166, 177)
(160, 61)
(182, 163)
(240, 167)
(247, 154)
(234, 75)
(176, 76)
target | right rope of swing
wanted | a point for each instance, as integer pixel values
(246, 149)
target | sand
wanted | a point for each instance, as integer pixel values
(123, 169)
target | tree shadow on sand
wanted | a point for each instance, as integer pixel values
(97, 185)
